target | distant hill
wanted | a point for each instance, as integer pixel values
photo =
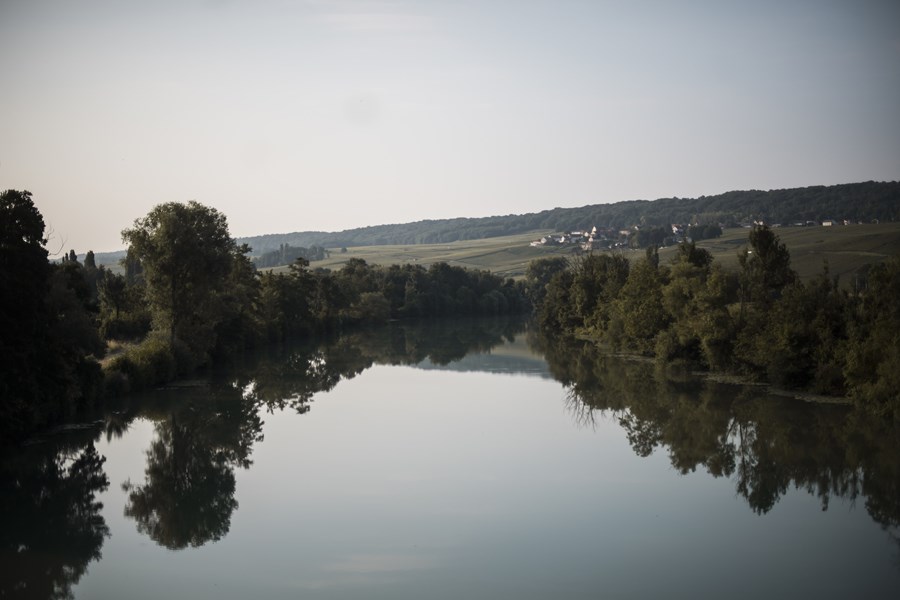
(866, 201)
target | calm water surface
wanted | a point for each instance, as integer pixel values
(456, 463)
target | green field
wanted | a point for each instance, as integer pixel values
(846, 248)
(506, 256)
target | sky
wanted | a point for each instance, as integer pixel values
(299, 115)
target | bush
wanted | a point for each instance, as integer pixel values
(150, 363)
(126, 326)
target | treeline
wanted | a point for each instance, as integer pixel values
(760, 322)
(866, 201)
(190, 297)
(304, 300)
(286, 254)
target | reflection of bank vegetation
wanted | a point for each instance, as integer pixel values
(187, 497)
(767, 445)
(205, 432)
(53, 526)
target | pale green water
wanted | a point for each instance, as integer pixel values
(484, 477)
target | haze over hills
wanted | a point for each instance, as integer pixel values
(866, 201)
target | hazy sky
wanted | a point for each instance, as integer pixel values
(292, 115)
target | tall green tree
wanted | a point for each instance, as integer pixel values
(24, 318)
(639, 306)
(597, 279)
(187, 256)
(682, 298)
(800, 342)
(873, 360)
(765, 268)
(765, 271)
(46, 368)
(538, 275)
(287, 301)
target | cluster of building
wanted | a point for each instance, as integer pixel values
(600, 238)
(606, 238)
(823, 223)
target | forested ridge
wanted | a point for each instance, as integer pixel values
(866, 201)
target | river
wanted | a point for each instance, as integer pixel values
(456, 460)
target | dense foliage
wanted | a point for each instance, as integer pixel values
(306, 300)
(190, 265)
(48, 344)
(761, 322)
(207, 302)
(189, 298)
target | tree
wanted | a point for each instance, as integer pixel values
(687, 277)
(238, 326)
(287, 301)
(538, 275)
(765, 271)
(872, 367)
(113, 292)
(765, 267)
(581, 297)
(46, 368)
(639, 304)
(704, 232)
(597, 281)
(799, 345)
(24, 318)
(187, 257)
(23, 266)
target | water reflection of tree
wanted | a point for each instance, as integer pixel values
(187, 498)
(290, 378)
(52, 523)
(768, 445)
